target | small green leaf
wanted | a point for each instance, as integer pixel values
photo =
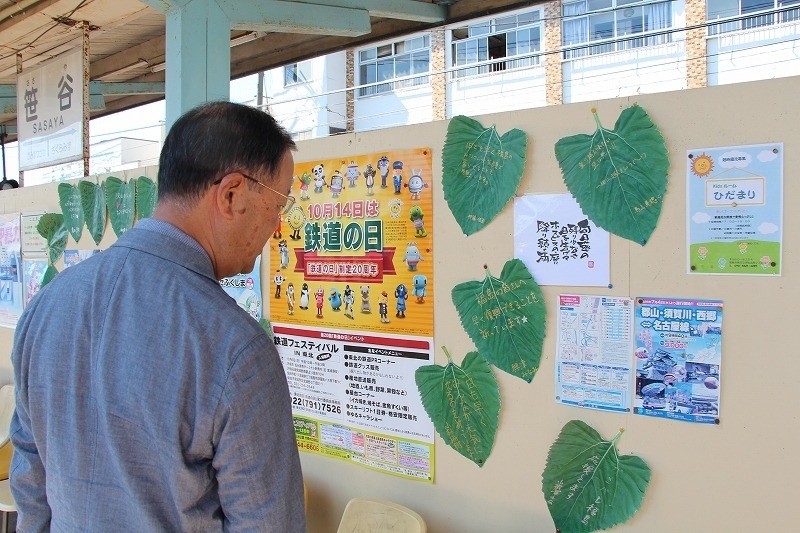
(481, 171)
(48, 276)
(463, 403)
(70, 200)
(121, 203)
(93, 199)
(51, 228)
(267, 327)
(146, 197)
(505, 318)
(618, 176)
(587, 485)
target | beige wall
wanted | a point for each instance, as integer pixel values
(739, 476)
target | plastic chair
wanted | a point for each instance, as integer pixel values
(363, 515)
(6, 412)
(7, 504)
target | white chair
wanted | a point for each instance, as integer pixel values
(363, 515)
(7, 504)
(6, 411)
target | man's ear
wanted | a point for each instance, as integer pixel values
(229, 195)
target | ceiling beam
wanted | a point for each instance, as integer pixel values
(15, 14)
(151, 51)
(392, 9)
(282, 16)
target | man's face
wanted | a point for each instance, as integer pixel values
(264, 215)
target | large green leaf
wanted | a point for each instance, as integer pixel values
(93, 198)
(267, 327)
(121, 203)
(70, 200)
(146, 197)
(481, 171)
(463, 403)
(49, 274)
(51, 227)
(618, 177)
(505, 318)
(587, 485)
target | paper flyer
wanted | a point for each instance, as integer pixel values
(593, 359)
(351, 304)
(678, 358)
(734, 210)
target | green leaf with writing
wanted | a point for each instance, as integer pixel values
(505, 318)
(481, 171)
(51, 228)
(70, 200)
(49, 274)
(463, 403)
(121, 203)
(587, 485)
(267, 327)
(93, 198)
(618, 176)
(146, 197)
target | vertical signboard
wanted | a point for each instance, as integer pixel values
(50, 112)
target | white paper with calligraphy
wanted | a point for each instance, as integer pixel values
(32, 242)
(558, 243)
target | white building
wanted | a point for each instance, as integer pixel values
(552, 53)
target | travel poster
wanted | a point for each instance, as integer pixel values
(593, 358)
(11, 301)
(735, 210)
(246, 290)
(678, 358)
(73, 256)
(351, 305)
(558, 243)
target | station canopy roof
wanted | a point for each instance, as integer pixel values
(127, 37)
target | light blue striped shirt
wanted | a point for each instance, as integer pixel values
(147, 400)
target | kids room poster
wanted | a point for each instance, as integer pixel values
(735, 210)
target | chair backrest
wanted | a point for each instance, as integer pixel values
(6, 411)
(363, 515)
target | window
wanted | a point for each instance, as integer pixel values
(379, 67)
(483, 43)
(607, 25)
(301, 135)
(296, 73)
(766, 12)
(291, 75)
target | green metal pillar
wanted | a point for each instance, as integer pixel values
(198, 56)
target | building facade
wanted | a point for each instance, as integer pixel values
(561, 51)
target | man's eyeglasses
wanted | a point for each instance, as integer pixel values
(289, 199)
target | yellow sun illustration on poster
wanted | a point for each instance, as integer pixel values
(702, 166)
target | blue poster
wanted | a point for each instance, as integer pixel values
(678, 349)
(735, 210)
(246, 290)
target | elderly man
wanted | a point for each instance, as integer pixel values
(147, 400)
